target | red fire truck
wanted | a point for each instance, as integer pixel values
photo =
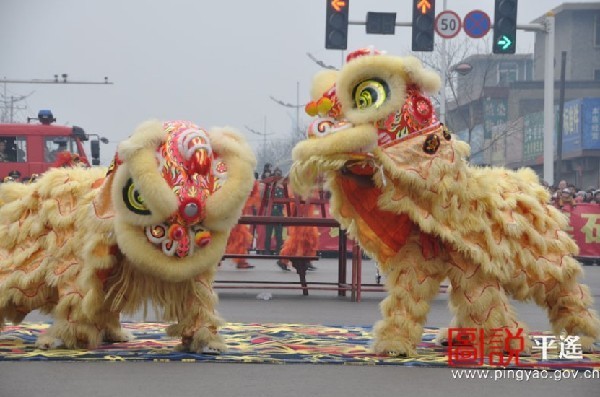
(27, 149)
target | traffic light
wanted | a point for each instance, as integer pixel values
(423, 24)
(505, 27)
(336, 28)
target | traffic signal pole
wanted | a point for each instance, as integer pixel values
(548, 28)
(443, 72)
(549, 101)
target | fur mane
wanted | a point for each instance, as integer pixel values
(450, 199)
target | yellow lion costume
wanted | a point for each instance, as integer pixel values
(401, 186)
(86, 245)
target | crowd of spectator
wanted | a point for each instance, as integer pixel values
(565, 195)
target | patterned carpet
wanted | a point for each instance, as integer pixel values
(252, 343)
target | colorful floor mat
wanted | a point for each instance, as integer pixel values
(253, 343)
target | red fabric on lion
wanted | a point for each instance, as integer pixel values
(68, 159)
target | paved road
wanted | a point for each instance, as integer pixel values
(320, 307)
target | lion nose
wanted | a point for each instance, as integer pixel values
(191, 210)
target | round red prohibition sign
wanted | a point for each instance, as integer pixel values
(447, 24)
(477, 24)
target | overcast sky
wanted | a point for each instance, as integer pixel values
(213, 62)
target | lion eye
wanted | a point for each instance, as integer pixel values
(370, 93)
(133, 200)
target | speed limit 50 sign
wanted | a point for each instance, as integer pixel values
(447, 24)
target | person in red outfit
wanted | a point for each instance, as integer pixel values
(300, 241)
(240, 238)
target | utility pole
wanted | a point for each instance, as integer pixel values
(8, 106)
(264, 135)
(296, 106)
(12, 106)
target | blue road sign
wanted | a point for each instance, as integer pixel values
(477, 24)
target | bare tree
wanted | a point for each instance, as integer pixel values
(278, 151)
(464, 87)
(506, 130)
(471, 79)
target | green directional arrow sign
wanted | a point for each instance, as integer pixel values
(504, 42)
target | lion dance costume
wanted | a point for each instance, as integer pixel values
(401, 186)
(86, 245)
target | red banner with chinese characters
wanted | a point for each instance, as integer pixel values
(585, 229)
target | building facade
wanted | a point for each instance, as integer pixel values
(501, 101)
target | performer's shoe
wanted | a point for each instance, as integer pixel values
(311, 267)
(245, 266)
(283, 266)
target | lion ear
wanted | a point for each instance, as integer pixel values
(103, 205)
(322, 82)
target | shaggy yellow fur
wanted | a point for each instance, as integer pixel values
(496, 235)
(71, 248)
(322, 81)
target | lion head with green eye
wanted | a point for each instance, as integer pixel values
(176, 190)
(372, 103)
(375, 100)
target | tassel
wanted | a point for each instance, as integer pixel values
(118, 290)
(383, 178)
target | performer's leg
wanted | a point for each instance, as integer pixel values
(480, 302)
(569, 304)
(199, 326)
(268, 234)
(71, 326)
(412, 282)
(114, 331)
(278, 238)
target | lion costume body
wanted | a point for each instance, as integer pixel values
(401, 186)
(86, 245)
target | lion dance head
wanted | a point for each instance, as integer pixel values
(176, 191)
(374, 103)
